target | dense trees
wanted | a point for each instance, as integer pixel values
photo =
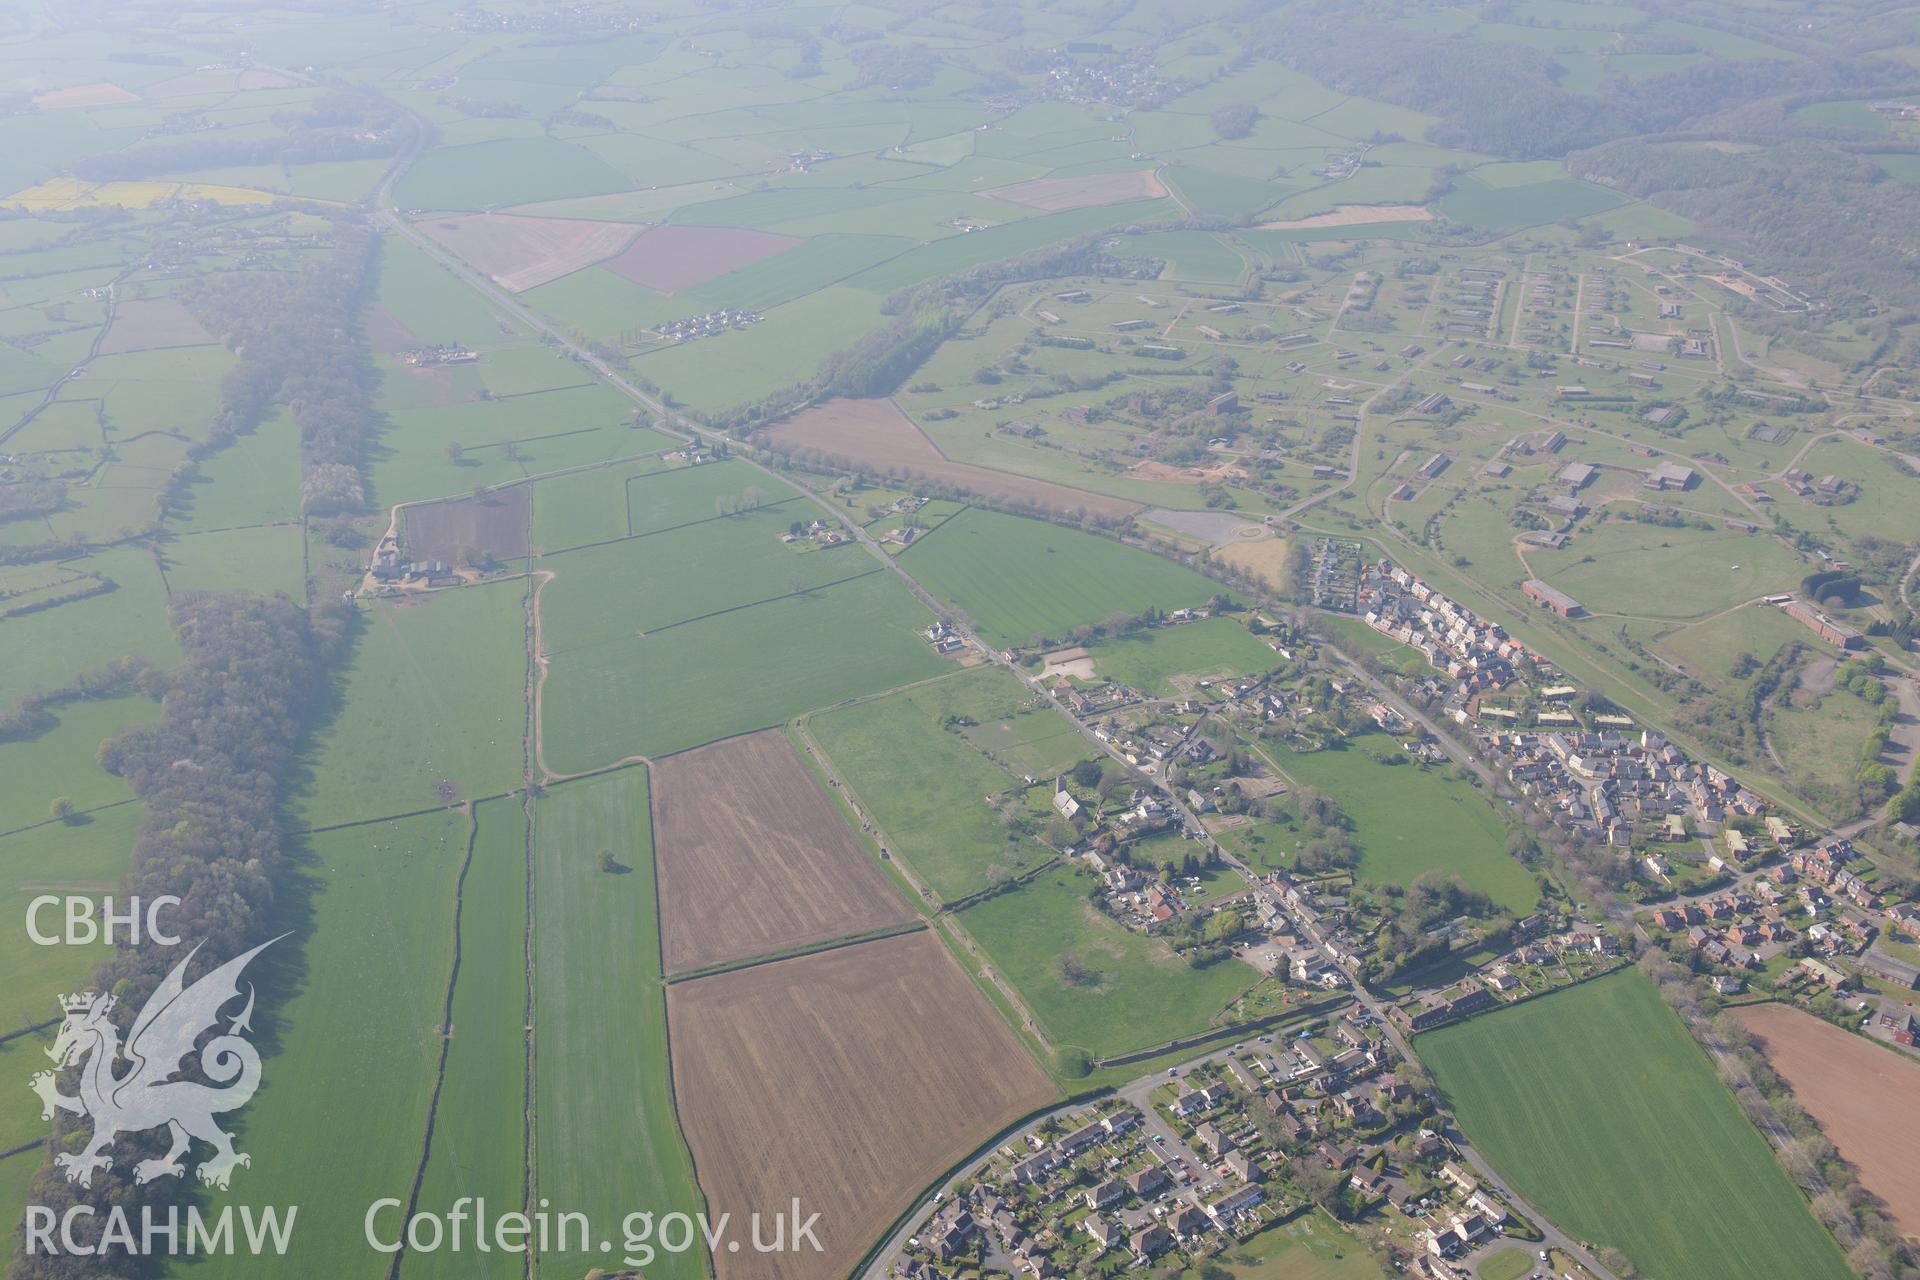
(344, 124)
(210, 773)
(299, 347)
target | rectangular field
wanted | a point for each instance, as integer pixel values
(929, 789)
(1019, 579)
(875, 435)
(668, 259)
(754, 859)
(850, 1078)
(1601, 1109)
(494, 524)
(522, 253)
(607, 1142)
(1862, 1094)
(749, 669)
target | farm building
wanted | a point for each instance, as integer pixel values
(1551, 597)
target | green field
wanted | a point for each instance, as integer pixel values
(1021, 579)
(927, 785)
(1600, 1108)
(729, 674)
(1408, 819)
(608, 1140)
(1505, 208)
(493, 175)
(421, 667)
(1138, 994)
(353, 1005)
(1310, 1247)
(479, 1143)
(1147, 660)
(1701, 572)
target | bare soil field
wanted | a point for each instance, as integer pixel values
(147, 324)
(668, 259)
(850, 1078)
(874, 434)
(496, 525)
(521, 253)
(1217, 473)
(1053, 195)
(1863, 1095)
(1354, 215)
(753, 859)
(1075, 662)
(83, 95)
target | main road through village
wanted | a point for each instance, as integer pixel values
(679, 425)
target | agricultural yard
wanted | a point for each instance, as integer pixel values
(1860, 1092)
(876, 436)
(1599, 1107)
(764, 1057)
(1128, 991)
(754, 859)
(1019, 579)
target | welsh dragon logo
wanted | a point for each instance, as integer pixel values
(145, 1095)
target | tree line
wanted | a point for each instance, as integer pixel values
(211, 773)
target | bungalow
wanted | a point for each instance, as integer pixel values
(1460, 1176)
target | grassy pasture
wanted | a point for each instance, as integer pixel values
(478, 1143)
(508, 171)
(927, 786)
(1605, 569)
(585, 506)
(646, 585)
(88, 856)
(1019, 578)
(352, 1004)
(1140, 993)
(608, 1140)
(60, 762)
(750, 669)
(434, 694)
(686, 495)
(1598, 1105)
(1408, 819)
(1481, 204)
(1147, 660)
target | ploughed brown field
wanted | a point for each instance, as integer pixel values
(1082, 191)
(753, 859)
(146, 324)
(496, 524)
(668, 259)
(876, 435)
(100, 94)
(1865, 1097)
(850, 1078)
(521, 252)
